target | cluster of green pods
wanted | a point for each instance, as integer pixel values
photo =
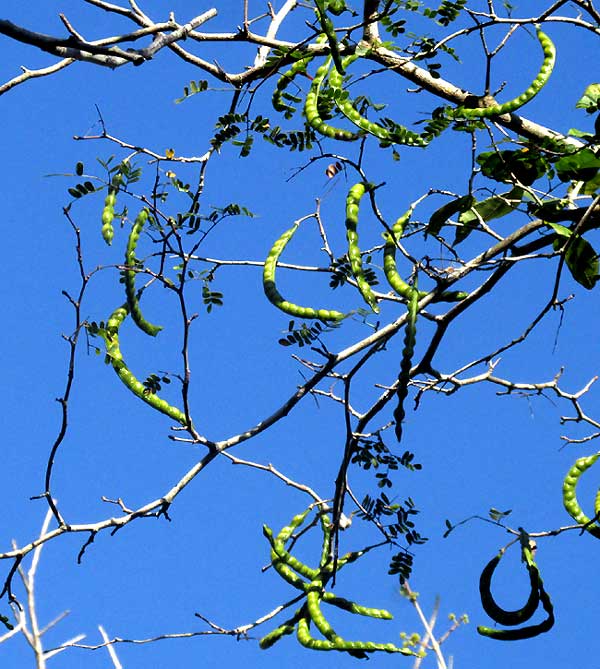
(506, 618)
(110, 333)
(399, 134)
(311, 582)
(311, 109)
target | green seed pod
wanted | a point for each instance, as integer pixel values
(325, 521)
(329, 31)
(108, 213)
(273, 637)
(353, 607)
(275, 297)
(282, 554)
(401, 136)
(410, 337)
(113, 351)
(538, 83)
(288, 627)
(391, 271)
(299, 67)
(280, 566)
(311, 109)
(132, 297)
(352, 204)
(304, 637)
(500, 615)
(313, 599)
(570, 493)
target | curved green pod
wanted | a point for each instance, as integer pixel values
(313, 599)
(536, 86)
(354, 255)
(313, 605)
(129, 274)
(293, 562)
(390, 269)
(288, 627)
(275, 297)
(304, 637)
(402, 136)
(497, 613)
(325, 522)
(410, 337)
(569, 493)
(353, 607)
(281, 566)
(311, 109)
(111, 338)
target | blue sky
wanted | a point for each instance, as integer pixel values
(477, 450)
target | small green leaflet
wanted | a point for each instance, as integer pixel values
(580, 257)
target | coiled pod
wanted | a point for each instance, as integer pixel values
(354, 255)
(130, 263)
(275, 297)
(529, 631)
(500, 615)
(536, 86)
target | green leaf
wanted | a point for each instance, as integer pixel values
(496, 206)
(580, 257)
(592, 186)
(79, 169)
(441, 215)
(580, 166)
(523, 165)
